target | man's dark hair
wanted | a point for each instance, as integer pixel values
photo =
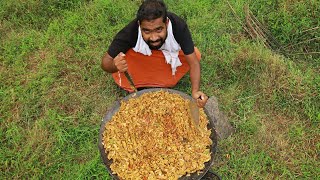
(152, 9)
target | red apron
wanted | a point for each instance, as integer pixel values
(151, 71)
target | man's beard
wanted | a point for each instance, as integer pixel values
(152, 47)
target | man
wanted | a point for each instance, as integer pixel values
(156, 49)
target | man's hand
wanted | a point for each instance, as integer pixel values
(200, 97)
(120, 62)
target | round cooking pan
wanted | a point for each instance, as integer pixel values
(115, 109)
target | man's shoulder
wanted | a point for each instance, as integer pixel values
(175, 17)
(132, 26)
(125, 39)
(176, 20)
(181, 33)
(129, 33)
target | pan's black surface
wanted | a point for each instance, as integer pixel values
(115, 108)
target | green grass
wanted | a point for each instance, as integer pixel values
(53, 93)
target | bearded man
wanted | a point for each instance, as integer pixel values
(156, 49)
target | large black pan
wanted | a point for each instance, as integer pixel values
(115, 108)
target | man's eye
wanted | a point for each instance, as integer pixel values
(146, 31)
(159, 29)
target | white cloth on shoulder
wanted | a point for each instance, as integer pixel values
(170, 48)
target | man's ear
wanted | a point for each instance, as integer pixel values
(138, 22)
(167, 22)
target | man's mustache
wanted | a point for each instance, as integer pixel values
(159, 40)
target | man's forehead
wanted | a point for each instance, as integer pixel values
(152, 24)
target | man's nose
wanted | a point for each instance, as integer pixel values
(153, 37)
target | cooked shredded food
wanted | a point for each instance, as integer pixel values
(153, 137)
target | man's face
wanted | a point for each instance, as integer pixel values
(154, 32)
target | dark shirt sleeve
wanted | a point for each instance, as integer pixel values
(182, 34)
(124, 40)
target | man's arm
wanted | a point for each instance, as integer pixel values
(194, 71)
(195, 79)
(113, 65)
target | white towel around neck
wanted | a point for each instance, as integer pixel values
(170, 48)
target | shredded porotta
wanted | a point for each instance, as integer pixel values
(154, 137)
